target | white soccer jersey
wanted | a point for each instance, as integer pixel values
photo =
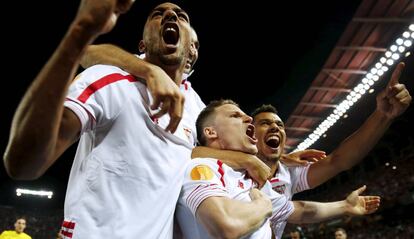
(127, 173)
(206, 177)
(288, 181)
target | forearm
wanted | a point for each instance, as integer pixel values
(313, 212)
(352, 150)
(234, 159)
(108, 54)
(229, 218)
(36, 123)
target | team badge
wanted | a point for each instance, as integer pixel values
(201, 172)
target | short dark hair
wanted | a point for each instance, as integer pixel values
(205, 115)
(264, 108)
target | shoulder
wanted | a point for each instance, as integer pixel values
(26, 236)
(102, 74)
(203, 168)
(212, 162)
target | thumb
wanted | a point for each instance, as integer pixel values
(361, 190)
(255, 194)
(395, 77)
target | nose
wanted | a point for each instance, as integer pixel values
(274, 127)
(169, 15)
(248, 119)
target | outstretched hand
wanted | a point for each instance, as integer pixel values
(362, 205)
(100, 16)
(395, 98)
(302, 157)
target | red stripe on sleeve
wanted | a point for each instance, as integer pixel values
(221, 171)
(104, 81)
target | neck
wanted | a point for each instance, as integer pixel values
(175, 72)
(272, 163)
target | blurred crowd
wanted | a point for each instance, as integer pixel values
(388, 173)
(40, 224)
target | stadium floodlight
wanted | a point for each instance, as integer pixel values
(41, 193)
(391, 56)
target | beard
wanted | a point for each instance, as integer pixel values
(174, 59)
(170, 60)
(268, 157)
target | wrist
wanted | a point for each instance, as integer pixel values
(381, 116)
(149, 70)
(346, 207)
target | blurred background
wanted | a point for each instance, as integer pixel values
(305, 57)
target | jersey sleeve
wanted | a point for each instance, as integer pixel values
(201, 181)
(95, 95)
(299, 176)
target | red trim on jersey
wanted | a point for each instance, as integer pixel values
(102, 82)
(274, 180)
(68, 224)
(67, 229)
(83, 107)
(66, 234)
(221, 171)
(184, 82)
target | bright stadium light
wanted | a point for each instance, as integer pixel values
(391, 56)
(41, 193)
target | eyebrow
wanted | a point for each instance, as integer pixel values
(175, 9)
(269, 120)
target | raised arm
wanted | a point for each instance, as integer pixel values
(163, 89)
(227, 218)
(42, 129)
(354, 204)
(391, 102)
(256, 169)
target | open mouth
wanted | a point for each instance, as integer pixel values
(250, 133)
(170, 33)
(273, 141)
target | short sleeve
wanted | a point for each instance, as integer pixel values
(299, 176)
(201, 181)
(97, 94)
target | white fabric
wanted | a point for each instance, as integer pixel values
(127, 173)
(288, 181)
(225, 182)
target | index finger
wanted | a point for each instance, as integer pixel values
(312, 153)
(176, 113)
(396, 74)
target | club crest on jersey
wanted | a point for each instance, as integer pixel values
(241, 184)
(280, 188)
(201, 172)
